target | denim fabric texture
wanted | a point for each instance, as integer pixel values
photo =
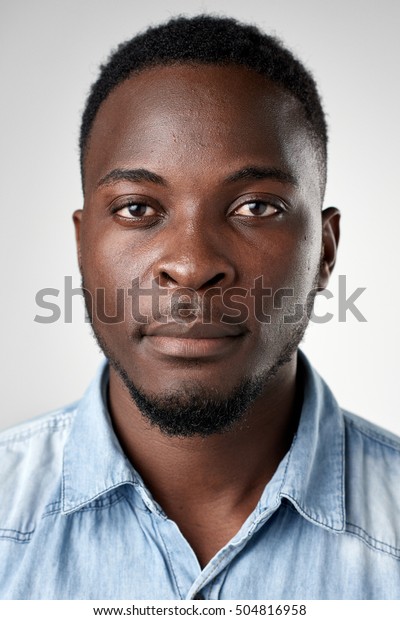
(77, 522)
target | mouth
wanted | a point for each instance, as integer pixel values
(196, 341)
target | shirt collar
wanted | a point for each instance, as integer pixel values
(313, 470)
(314, 477)
(93, 461)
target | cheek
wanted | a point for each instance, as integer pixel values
(109, 259)
(289, 264)
(117, 274)
(288, 258)
(107, 278)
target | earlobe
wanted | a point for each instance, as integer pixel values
(77, 218)
(330, 241)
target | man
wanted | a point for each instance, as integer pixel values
(207, 459)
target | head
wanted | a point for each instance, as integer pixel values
(202, 241)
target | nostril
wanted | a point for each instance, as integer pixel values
(165, 278)
(213, 281)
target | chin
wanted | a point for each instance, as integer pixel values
(194, 409)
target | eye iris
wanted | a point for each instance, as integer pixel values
(257, 208)
(137, 209)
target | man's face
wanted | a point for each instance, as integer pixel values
(199, 180)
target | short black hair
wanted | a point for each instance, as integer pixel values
(210, 40)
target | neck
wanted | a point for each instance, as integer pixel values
(224, 472)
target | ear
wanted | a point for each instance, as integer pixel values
(77, 217)
(330, 241)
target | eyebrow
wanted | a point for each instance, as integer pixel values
(135, 175)
(257, 172)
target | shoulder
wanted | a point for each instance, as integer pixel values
(19, 442)
(31, 468)
(40, 425)
(372, 479)
(379, 448)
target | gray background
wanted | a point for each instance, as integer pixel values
(49, 54)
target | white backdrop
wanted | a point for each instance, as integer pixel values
(49, 54)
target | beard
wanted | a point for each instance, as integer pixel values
(196, 410)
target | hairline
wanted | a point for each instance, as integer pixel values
(318, 145)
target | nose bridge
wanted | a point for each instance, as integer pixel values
(193, 254)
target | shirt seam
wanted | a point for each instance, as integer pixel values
(364, 537)
(19, 536)
(207, 579)
(171, 565)
(296, 508)
(82, 504)
(52, 508)
(379, 544)
(113, 499)
(52, 424)
(375, 435)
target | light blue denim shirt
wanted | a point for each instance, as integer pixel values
(77, 522)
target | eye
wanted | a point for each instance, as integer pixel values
(257, 208)
(135, 210)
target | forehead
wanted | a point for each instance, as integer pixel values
(197, 116)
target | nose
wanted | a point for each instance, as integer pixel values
(195, 259)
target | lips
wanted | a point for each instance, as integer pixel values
(192, 330)
(192, 341)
